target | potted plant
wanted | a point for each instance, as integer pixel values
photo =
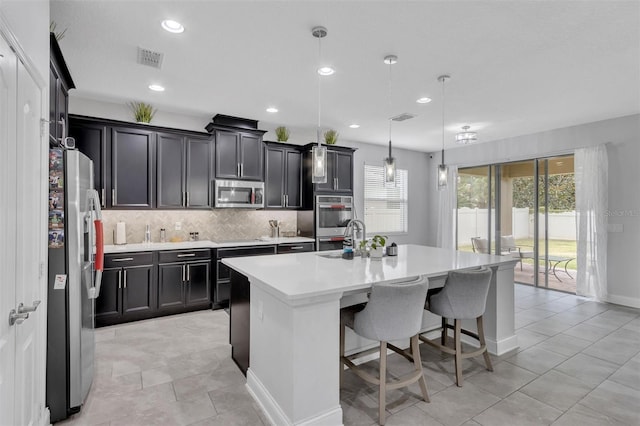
(374, 247)
(330, 137)
(282, 133)
(142, 112)
(377, 246)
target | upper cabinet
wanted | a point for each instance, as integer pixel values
(132, 166)
(141, 167)
(184, 172)
(283, 176)
(339, 173)
(60, 82)
(238, 148)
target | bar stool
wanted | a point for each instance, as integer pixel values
(394, 312)
(464, 296)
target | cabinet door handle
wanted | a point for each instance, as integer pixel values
(238, 169)
(241, 169)
(113, 197)
(187, 199)
(296, 247)
(183, 274)
(286, 200)
(188, 272)
(125, 279)
(187, 255)
(123, 259)
(104, 193)
(120, 278)
(63, 123)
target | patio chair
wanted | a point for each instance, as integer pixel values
(508, 247)
(480, 245)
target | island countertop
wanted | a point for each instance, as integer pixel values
(303, 275)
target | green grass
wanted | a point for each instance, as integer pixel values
(565, 248)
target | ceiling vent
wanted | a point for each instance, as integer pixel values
(150, 58)
(402, 117)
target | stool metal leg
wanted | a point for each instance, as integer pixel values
(443, 335)
(483, 344)
(383, 383)
(458, 355)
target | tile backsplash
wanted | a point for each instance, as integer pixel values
(214, 225)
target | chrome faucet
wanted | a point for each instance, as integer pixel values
(351, 229)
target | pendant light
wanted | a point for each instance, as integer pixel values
(319, 152)
(442, 168)
(390, 162)
(466, 137)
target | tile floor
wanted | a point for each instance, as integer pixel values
(578, 364)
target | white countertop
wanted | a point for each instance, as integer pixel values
(302, 275)
(129, 248)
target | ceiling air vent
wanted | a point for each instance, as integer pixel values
(150, 58)
(402, 117)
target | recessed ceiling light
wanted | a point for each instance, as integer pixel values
(354, 126)
(424, 100)
(156, 88)
(172, 26)
(326, 71)
(272, 109)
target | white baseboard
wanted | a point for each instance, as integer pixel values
(274, 413)
(632, 302)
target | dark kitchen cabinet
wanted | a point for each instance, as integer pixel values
(91, 140)
(183, 171)
(60, 82)
(222, 282)
(339, 174)
(283, 176)
(238, 154)
(128, 290)
(184, 280)
(132, 167)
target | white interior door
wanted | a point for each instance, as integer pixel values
(30, 230)
(23, 224)
(8, 175)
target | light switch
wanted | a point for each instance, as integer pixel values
(178, 226)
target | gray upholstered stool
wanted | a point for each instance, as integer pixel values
(464, 296)
(394, 312)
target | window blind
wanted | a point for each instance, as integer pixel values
(385, 204)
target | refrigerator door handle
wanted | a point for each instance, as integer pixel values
(93, 201)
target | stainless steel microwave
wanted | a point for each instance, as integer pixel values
(239, 194)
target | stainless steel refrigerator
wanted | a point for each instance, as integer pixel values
(75, 272)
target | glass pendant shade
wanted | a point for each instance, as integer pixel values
(319, 158)
(443, 171)
(390, 170)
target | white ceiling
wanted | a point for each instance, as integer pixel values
(517, 67)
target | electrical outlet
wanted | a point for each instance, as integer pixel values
(178, 226)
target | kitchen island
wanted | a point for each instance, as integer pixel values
(295, 301)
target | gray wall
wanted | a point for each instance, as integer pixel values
(622, 136)
(416, 164)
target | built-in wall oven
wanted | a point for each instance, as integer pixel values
(333, 213)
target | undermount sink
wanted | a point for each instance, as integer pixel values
(330, 255)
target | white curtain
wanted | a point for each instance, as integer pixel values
(448, 201)
(591, 175)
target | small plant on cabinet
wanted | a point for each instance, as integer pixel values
(282, 133)
(331, 137)
(142, 112)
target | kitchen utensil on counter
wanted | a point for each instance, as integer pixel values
(392, 250)
(275, 228)
(120, 234)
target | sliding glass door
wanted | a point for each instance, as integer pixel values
(523, 209)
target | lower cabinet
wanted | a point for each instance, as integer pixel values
(128, 291)
(184, 285)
